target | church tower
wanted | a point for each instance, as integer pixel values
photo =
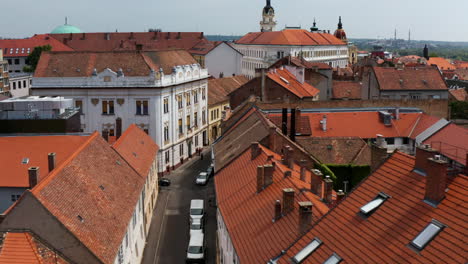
(340, 33)
(268, 22)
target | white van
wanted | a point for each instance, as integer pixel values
(197, 210)
(196, 249)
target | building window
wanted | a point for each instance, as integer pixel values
(204, 117)
(188, 98)
(111, 132)
(166, 133)
(142, 107)
(195, 119)
(14, 85)
(17, 61)
(405, 141)
(19, 85)
(179, 101)
(166, 156)
(181, 129)
(79, 104)
(195, 97)
(196, 141)
(188, 122)
(107, 107)
(203, 94)
(390, 141)
(15, 197)
(166, 105)
(9, 61)
(415, 96)
(181, 149)
(24, 83)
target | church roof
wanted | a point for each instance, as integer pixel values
(65, 29)
(289, 37)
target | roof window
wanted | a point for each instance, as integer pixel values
(305, 252)
(371, 206)
(25, 161)
(333, 259)
(427, 235)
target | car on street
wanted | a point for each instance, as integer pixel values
(164, 182)
(202, 178)
(210, 171)
(197, 210)
(196, 227)
(196, 249)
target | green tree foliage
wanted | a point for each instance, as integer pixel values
(353, 174)
(34, 57)
(459, 110)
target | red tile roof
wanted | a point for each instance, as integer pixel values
(138, 149)
(451, 141)
(204, 47)
(23, 47)
(461, 64)
(93, 194)
(346, 90)
(426, 78)
(22, 248)
(384, 236)
(35, 148)
(364, 124)
(459, 94)
(220, 88)
(462, 74)
(442, 63)
(300, 63)
(287, 80)
(133, 63)
(248, 215)
(296, 37)
(128, 40)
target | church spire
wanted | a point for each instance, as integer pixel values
(340, 25)
(268, 22)
(426, 52)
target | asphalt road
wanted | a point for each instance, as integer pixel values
(169, 231)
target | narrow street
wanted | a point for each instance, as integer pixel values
(169, 231)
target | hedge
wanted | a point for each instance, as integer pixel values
(326, 171)
(354, 174)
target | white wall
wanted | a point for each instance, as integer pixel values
(6, 196)
(227, 252)
(19, 86)
(223, 59)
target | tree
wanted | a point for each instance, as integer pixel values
(34, 57)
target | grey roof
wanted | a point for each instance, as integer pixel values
(431, 130)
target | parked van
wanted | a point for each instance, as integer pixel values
(197, 210)
(196, 249)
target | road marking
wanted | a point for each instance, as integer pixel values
(161, 232)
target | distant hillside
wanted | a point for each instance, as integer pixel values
(222, 37)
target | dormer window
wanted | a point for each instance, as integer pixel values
(427, 235)
(372, 206)
(305, 252)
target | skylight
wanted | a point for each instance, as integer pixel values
(426, 236)
(370, 207)
(333, 259)
(25, 161)
(305, 252)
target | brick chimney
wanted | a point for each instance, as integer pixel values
(33, 173)
(305, 216)
(340, 195)
(316, 182)
(288, 156)
(201, 35)
(268, 170)
(292, 129)
(260, 179)
(51, 161)
(288, 200)
(303, 164)
(254, 150)
(284, 121)
(277, 215)
(423, 153)
(272, 138)
(287, 173)
(327, 190)
(436, 180)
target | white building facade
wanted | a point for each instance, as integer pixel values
(227, 252)
(20, 83)
(172, 108)
(223, 60)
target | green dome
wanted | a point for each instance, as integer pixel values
(65, 29)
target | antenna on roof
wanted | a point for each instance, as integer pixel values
(66, 20)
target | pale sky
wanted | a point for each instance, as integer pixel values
(428, 19)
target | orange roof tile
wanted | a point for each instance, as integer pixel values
(297, 37)
(346, 90)
(384, 236)
(451, 141)
(138, 149)
(459, 94)
(287, 80)
(35, 148)
(419, 78)
(363, 124)
(442, 63)
(220, 88)
(248, 215)
(300, 63)
(24, 47)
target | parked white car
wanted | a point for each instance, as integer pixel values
(202, 178)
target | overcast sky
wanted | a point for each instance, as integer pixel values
(428, 19)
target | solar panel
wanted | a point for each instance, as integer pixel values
(426, 236)
(305, 252)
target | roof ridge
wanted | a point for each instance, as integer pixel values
(33, 247)
(125, 134)
(35, 190)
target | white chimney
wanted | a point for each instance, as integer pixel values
(324, 123)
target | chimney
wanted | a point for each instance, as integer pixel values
(298, 118)
(107, 36)
(397, 113)
(272, 138)
(436, 180)
(292, 129)
(263, 84)
(423, 153)
(305, 216)
(178, 35)
(269, 158)
(268, 170)
(288, 200)
(378, 155)
(380, 141)
(254, 150)
(168, 35)
(284, 121)
(277, 210)
(324, 123)
(327, 190)
(287, 173)
(83, 37)
(139, 47)
(288, 159)
(201, 35)
(259, 179)
(105, 135)
(65, 41)
(340, 195)
(33, 173)
(316, 182)
(51, 160)
(303, 164)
